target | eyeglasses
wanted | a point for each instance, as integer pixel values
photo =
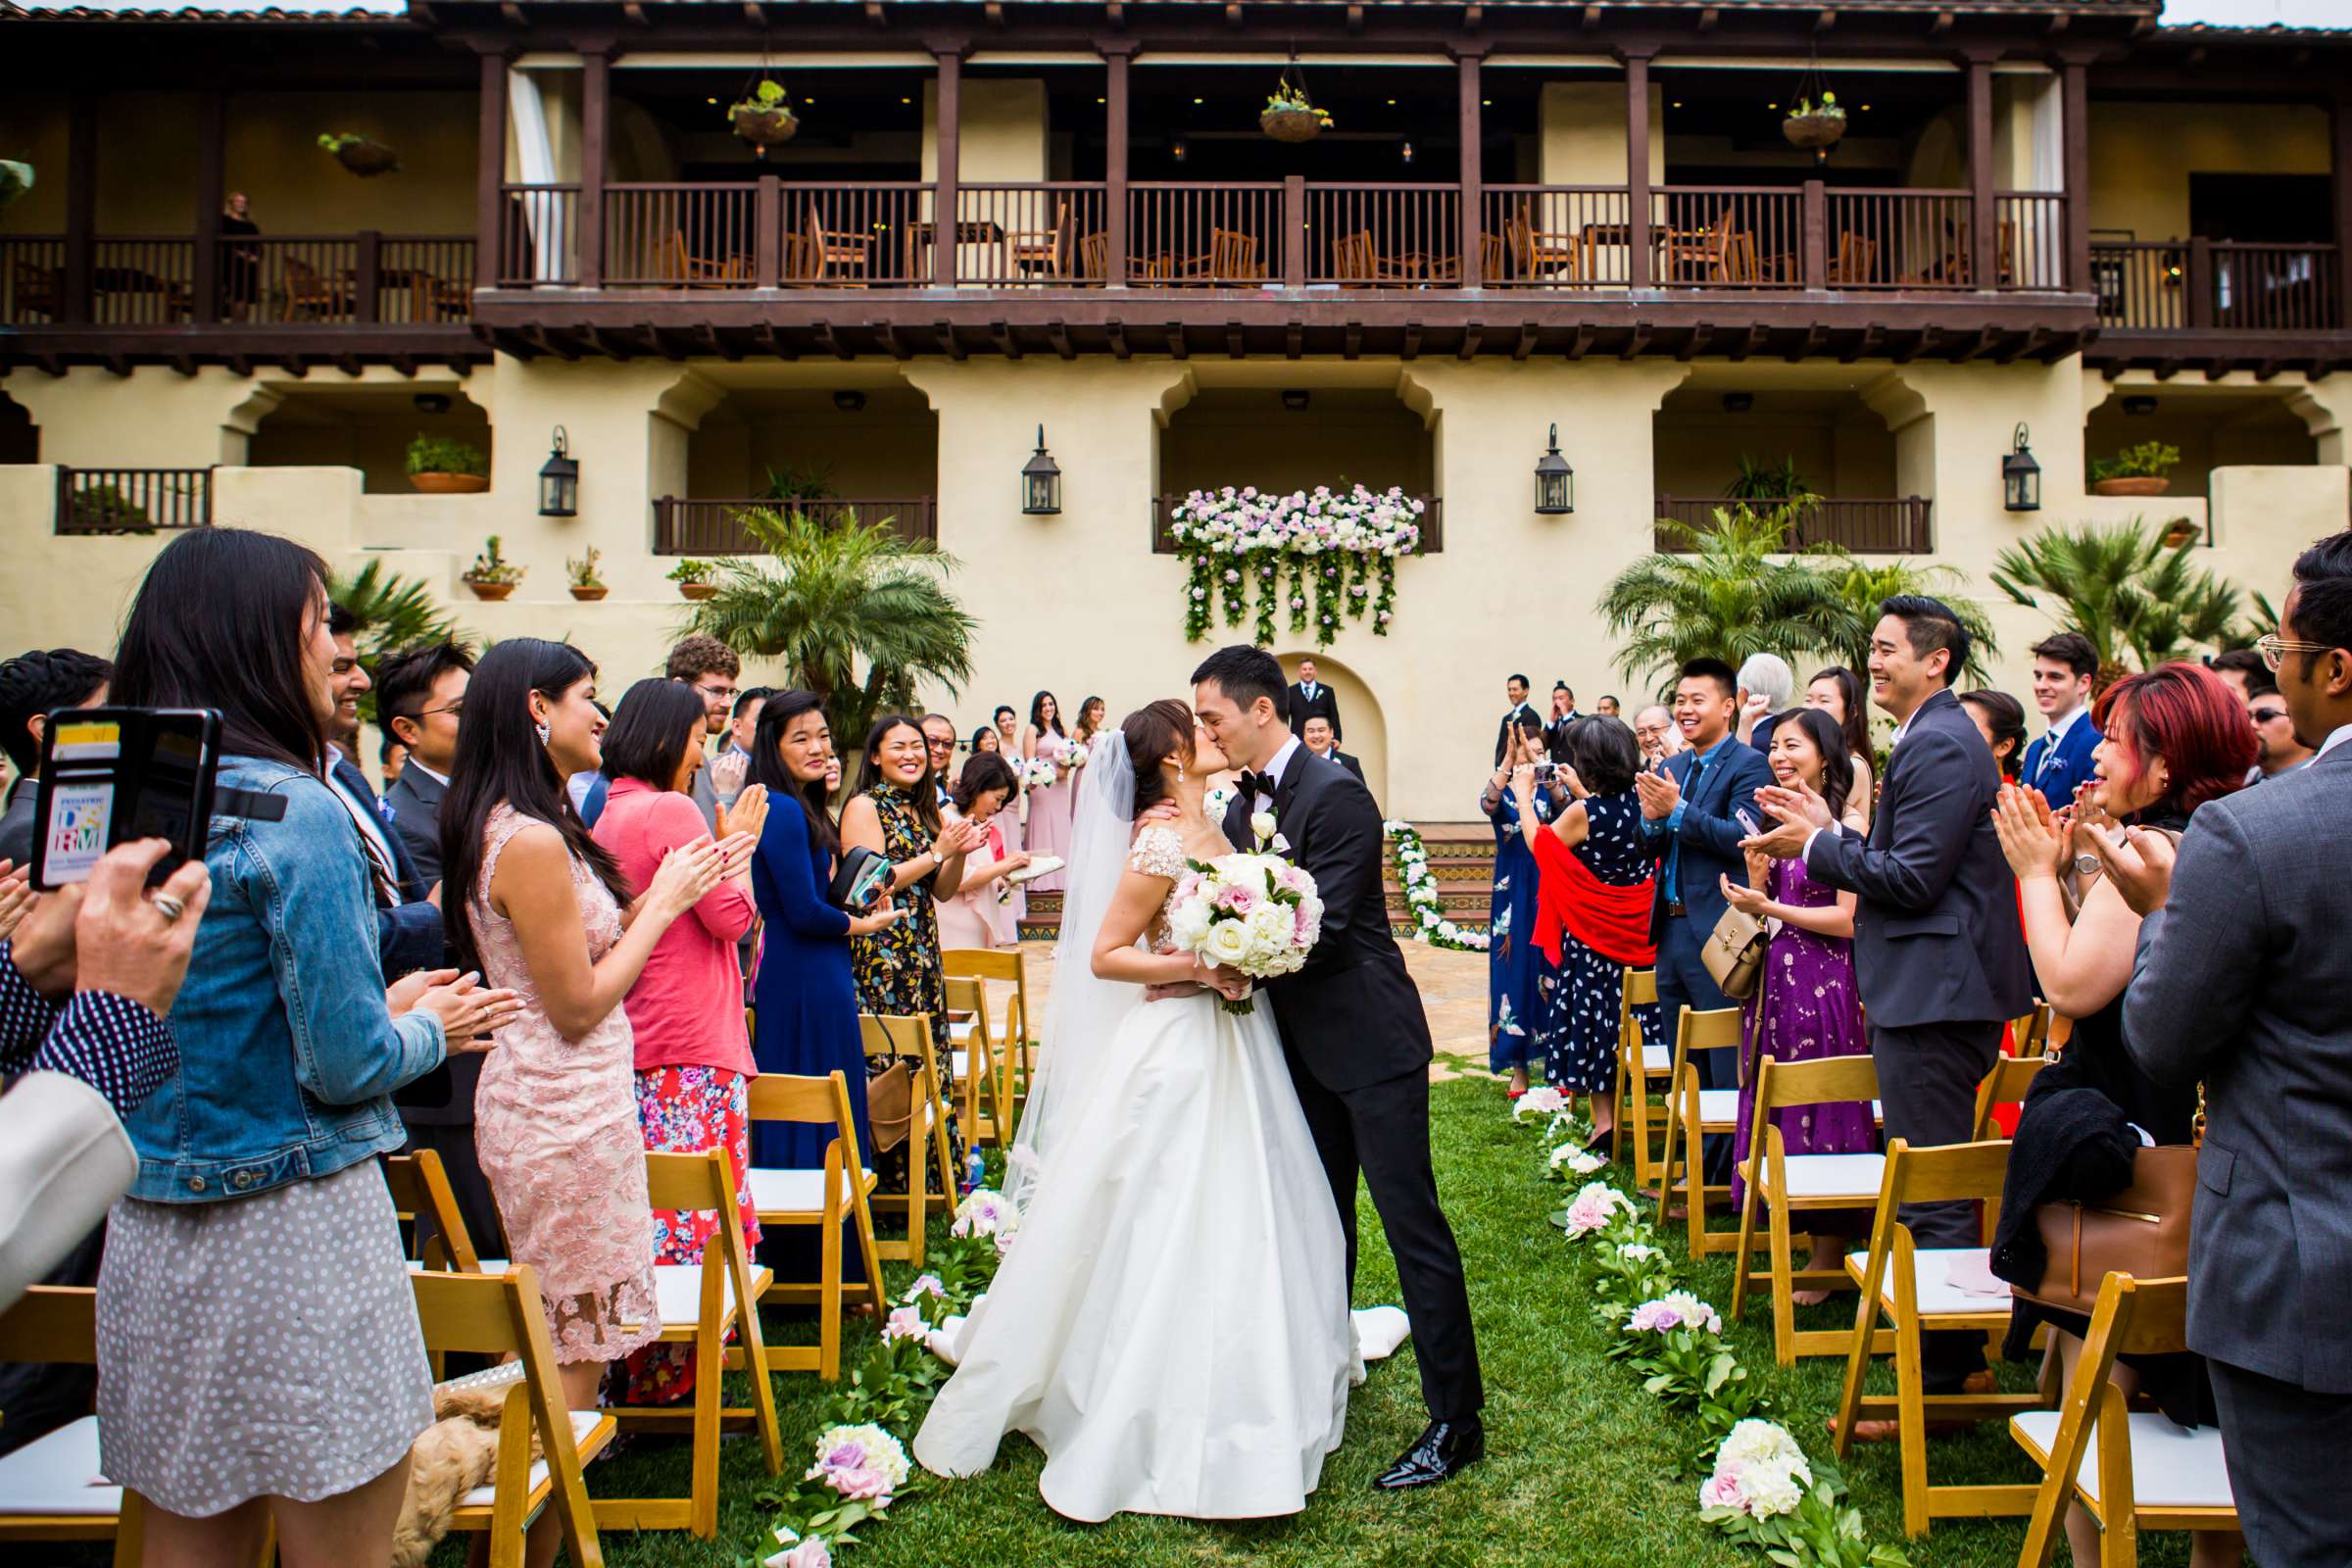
(2274, 647)
(2265, 715)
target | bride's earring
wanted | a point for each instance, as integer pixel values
(1179, 772)
(542, 732)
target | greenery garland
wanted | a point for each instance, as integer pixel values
(1420, 885)
(1328, 558)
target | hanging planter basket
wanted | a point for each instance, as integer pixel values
(1290, 114)
(363, 156)
(763, 116)
(1813, 130)
(14, 180)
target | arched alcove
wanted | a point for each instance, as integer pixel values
(366, 427)
(1364, 729)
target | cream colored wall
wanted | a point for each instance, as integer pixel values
(1002, 129)
(2141, 154)
(1582, 132)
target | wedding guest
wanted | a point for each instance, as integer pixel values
(693, 1059)
(408, 922)
(2243, 983)
(259, 1355)
(1514, 688)
(711, 667)
(2172, 739)
(32, 686)
(2001, 720)
(938, 745)
(2058, 762)
(1053, 806)
(2243, 668)
(545, 908)
(984, 739)
(1660, 737)
(895, 815)
(1766, 684)
(1838, 691)
(1515, 965)
(390, 758)
(728, 758)
(1936, 948)
(805, 996)
(1318, 739)
(2277, 750)
(1596, 892)
(1607, 707)
(1563, 718)
(980, 914)
(1090, 722)
(1308, 698)
(1806, 1008)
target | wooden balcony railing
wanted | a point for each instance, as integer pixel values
(1556, 236)
(1432, 523)
(1031, 236)
(100, 501)
(2030, 238)
(539, 236)
(1899, 239)
(1867, 525)
(696, 526)
(1732, 237)
(1231, 235)
(2199, 285)
(1403, 236)
(264, 279)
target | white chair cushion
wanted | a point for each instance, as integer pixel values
(678, 1291)
(1657, 1058)
(2172, 1466)
(1932, 1270)
(1854, 1176)
(583, 1422)
(490, 1265)
(962, 1032)
(960, 1061)
(1719, 1106)
(58, 1475)
(775, 1190)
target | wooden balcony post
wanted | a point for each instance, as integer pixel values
(1636, 167)
(490, 173)
(596, 118)
(950, 156)
(2201, 284)
(212, 115)
(1473, 139)
(1981, 220)
(81, 205)
(2339, 115)
(369, 277)
(1814, 236)
(1294, 232)
(2073, 119)
(767, 232)
(1115, 57)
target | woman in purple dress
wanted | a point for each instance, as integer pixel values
(1807, 1008)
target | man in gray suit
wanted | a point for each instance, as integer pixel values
(2244, 982)
(1939, 955)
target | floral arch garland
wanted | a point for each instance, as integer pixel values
(1327, 557)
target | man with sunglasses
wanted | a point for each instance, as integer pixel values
(2278, 749)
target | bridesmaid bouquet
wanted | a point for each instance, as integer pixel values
(1256, 914)
(1038, 773)
(1074, 756)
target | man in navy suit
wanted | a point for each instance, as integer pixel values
(1686, 809)
(408, 932)
(1310, 699)
(2059, 762)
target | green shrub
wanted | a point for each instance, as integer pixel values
(2150, 459)
(441, 454)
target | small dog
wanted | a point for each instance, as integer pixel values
(456, 1453)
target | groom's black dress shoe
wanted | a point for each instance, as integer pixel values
(1442, 1448)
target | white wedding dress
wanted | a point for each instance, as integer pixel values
(1170, 1324)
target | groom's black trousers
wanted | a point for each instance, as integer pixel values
(1382, 1129)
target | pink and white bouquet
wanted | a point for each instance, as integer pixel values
(1593, 1207)
(986, 1212)
(1676, 1309)
(1039, 774)
(1074, 754)
(1256, 914)
(863, 1463)
(1759, 1472)
(1541, 1101)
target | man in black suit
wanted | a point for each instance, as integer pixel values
(1937, 950)
(408, 924)
(1355, 1039)
(1563, 719)
(2244, 984)
(1310, 699)
(1516, 689)
(1316, 734)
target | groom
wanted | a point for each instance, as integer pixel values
(1355, 1039)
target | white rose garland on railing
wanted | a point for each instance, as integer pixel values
(1421, 894)
(1336, 552)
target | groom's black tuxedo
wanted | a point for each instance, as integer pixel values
(1358, 1043)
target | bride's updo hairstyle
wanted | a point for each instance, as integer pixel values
(1156, 732)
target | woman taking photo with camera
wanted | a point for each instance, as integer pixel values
(980, 914)
(1516, 968)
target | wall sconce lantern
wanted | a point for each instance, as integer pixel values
(1040, 482)
(850, 400)
(1555, 481)
(559, 482)
(2020, 477)
(1295, 399)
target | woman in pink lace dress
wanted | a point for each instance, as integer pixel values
(556, 1114)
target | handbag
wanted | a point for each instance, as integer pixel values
(2141, 1231)
(1734, 953)
(890, 1105)
(858, 882)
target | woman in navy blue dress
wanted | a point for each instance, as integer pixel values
(1516, 968)
(805, 1000)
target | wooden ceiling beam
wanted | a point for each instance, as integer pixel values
(1057, 333)
(1694, 342)
(1467, 349)
(1117, 331)
(1636, 341)
(1527, 341)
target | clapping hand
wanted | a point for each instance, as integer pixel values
(959, 837)
(880, 919)
(16, 896)
(727, 773)
(1523, 785)
(470, 1015)
(2037, 841)
(748, 816)
(1801, 811)
(1759, 866)
(1750, 901)
(2138, 861)
(1659, 793)
(687, 872)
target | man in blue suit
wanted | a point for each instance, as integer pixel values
(1687, 806)
(2059, 762)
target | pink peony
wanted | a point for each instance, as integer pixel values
(1587, 1214)
(1722, 1491)
(904, 1323)
(858, 1485)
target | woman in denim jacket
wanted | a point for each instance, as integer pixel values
(258, 1344)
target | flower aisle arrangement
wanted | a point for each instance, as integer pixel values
(1338, 549)
(1256, 914)
(1421, 894)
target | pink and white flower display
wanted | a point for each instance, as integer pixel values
(986, 1212)
(1541, 1101)
(1256, 914)
(1759, 1472)
(1676, 1309)
(863, 1463)
(1342, 544)
(1593, 1207)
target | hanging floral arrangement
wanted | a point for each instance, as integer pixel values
(1326, 558)
(1289, 114)
(763, 116)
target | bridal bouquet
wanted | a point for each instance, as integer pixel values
(1256, 914)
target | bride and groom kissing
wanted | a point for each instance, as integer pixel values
(1171, 1323)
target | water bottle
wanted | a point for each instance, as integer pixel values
(975, 1171)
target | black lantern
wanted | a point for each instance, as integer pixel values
(2020, 477)
(1041, 481)
(559, 482)
(1555, 481)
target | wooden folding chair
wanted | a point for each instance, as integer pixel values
(424, 1201)
(502, 1315)
(699, 1304)
(1910, 1288)
(1856, 261)
(1692, 1112)
(1043, 251)
(1013, 1043)
(1637, 1064)
(1795, 1184)
(49, 1488)
(927, 1143)
(701, 272)
(845, 255)
(979, 1073)
(826, 1199)
(2005, 1085)
(2148, 1473)
(2031, 1033)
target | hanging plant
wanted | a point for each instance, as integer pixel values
(1815, 126)
(14, 180)
(763, 116)
(363, 156)
(1329, 557)
(1289, 114)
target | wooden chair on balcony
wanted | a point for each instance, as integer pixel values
(313, 295)
(1232, 257)
(1447, 268)
(1719, 254)
(1539, 255)
(33, 288)
(1358, 264)
(1043, 251)
(842, 256)
(1856, 262)
(702, 271)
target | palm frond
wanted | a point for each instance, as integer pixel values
(2135, 598)
(393, 614)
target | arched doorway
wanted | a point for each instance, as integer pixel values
(1365, 730)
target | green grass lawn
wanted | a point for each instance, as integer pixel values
(1581, 1468)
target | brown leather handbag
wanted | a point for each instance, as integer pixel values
(1734, 952)
(890, 1106)
(2141, 1231)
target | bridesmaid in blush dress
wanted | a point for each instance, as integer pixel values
(1807, 1007)
(1050, 806)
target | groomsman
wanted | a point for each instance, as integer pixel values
(1310, 699)
(1516, 689)
(1563, 718)
(1319, 740)
(2059, 762)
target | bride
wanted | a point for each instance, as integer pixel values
(1170, 1324)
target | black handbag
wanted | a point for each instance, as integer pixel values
(859, 881)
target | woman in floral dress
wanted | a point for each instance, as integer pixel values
(895, 815)
(1516, 967)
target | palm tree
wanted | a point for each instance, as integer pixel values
(394, 614)
(1864, 587)
(833, 601)
(2135, 598)
(1738, 590)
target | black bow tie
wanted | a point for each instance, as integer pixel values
(1256, 784)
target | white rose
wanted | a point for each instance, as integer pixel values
(1273, 924)
(1261, 824)
(1758, 1441)
(1228, 943)
(1188, 922)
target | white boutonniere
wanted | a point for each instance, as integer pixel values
(1261, 827)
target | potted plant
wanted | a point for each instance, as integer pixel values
(693, 578)
(1815, 124)
(492, 576)
(1289, 116)
(14, 180)
(441, 465)
(363, 156)
(2135, 470)
(586, 582)
(763, 117)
